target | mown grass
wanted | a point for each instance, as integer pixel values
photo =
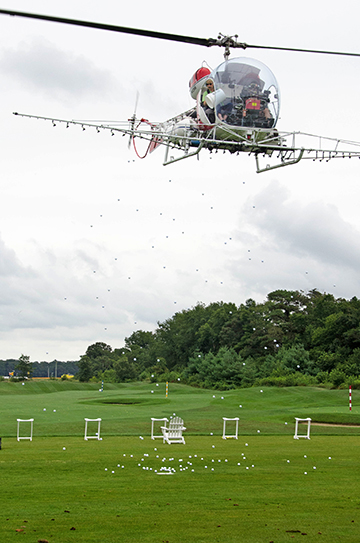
(47, 491)
(73, 495)
(126, 409)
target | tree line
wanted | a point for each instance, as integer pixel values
(22, 367)
(292, 338)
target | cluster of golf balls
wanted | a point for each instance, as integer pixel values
(170, 466)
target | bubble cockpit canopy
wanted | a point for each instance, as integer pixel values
(246, 94)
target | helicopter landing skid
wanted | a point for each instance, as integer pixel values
(285, 161)
(185, 155)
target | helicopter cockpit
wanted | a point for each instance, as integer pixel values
(245, 94)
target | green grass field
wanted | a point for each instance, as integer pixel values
(263, 487)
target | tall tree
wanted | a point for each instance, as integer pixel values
(24, 367)
(98, 349)
(85, 369)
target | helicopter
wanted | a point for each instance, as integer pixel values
(236, 109)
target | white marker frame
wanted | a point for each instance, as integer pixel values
(165, 420)
(305, 436)
(235, 436)
(96, 436)
(31, 429)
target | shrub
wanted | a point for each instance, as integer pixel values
(337, 377)
(170, 376)
(223, 369)
(322, 377)
(109, 376)
(292, 359)
(290, 380)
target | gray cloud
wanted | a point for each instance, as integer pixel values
(314, 230)
(287, 244)
(59, 73)
(9, 264)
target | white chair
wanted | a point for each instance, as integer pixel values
(173, 434)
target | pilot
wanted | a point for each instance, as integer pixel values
(208, 110)
(208, 90)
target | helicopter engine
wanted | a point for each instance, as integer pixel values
(180, 130)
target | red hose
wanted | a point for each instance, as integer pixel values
(133, 139)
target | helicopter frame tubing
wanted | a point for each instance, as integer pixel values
(283, 148)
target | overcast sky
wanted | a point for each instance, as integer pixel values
(95, 243)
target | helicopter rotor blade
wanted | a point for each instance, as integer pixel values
(113, 28)
(136, 102)
(299, 50)
(221, 41)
